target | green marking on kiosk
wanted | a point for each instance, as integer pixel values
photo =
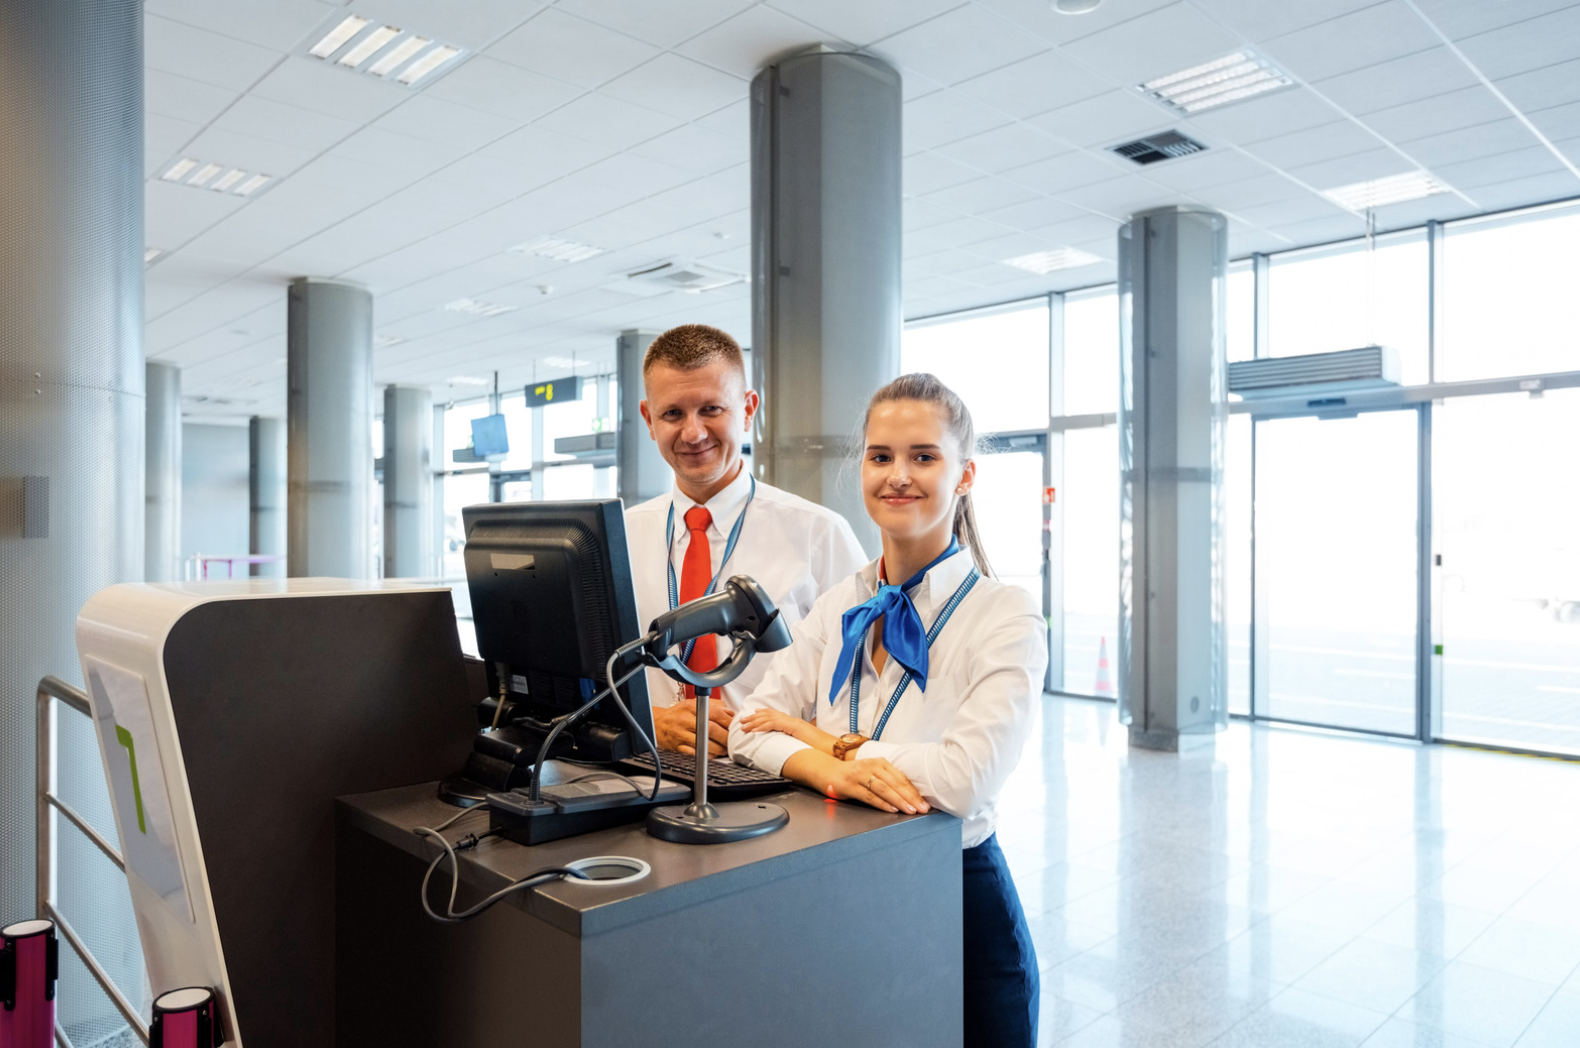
(124, 737)
(542, 394)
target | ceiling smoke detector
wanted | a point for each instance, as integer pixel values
(1166, 145)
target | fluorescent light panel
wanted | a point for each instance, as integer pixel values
(385, 51)
(428, 63)
(559, 250)
(252, 185)
(398, 54)
(1044, 262)
(1231, 78)
(336, 38)
(206, 172)
(368, 46)
(151, 253)
(1380, 192)
(179, 170)
(200, 175)
(477, 308)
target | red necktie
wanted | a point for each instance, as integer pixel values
(696, 571)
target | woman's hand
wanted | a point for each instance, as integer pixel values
(795, 727)
(874, 782)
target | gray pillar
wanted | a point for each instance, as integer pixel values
(71, 416)
(441, 455)
(1173, 653)
(162, 474)
(266, 494)
(643, 472)
(330, 420)
(825, 266)
(408, 482)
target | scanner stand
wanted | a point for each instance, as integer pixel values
(702, 823)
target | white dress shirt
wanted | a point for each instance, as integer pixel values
(958, 741)
(794, 548)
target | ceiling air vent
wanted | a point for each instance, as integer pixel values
(1157, 147)
(677, 275)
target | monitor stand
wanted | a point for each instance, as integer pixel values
(702, 823)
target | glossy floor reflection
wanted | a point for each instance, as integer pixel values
(1291, 889)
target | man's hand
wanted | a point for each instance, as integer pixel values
(676, 727)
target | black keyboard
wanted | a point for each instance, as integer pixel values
(726, 779)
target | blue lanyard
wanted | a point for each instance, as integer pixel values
(729, 549)
(905, 681)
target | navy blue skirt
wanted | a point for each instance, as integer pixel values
(1001, 981)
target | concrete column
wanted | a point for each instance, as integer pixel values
(408, 482)
(643, 472)
(826, 301)
(162, 474)
(330, 420)
(1173, 411)
(71, 418)
(266, 494)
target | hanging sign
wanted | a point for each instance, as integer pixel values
(542, 394)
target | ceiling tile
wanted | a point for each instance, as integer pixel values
(1249, 192)
(1260, 20)
(863, 23)
(919, 214)
(413, 157)
(1039, 17)
(1363, 38)
(962, 232)
(178, 97)
(1523, 46)
(471, 25)
(610, 122)
(286, 124)
(1034, 85)
(1534, 189)
(696, 149)
(1105, 120)
(981, 195)
(1119, 198)
(568, 48)
(1425, 74)
(925, 172)
(1266, 116)
(1010, 146)
(1462, 18)
(631, 176)
(1287, 212)
(435, 120)
(744, 44)
(1158, 43)
(247, 152)
(1470, 175)
(1469, 143)
(1543, 88)
(1069, 171)
(1559, 122)
(946, 116)
(724, 193)
(1322, 230)
(313, 84)
(1361, 167)
(1430, 116)
(197, 54)
(1343, 138)
(965, 42)
(663, 25)
(1038, 212)
(542, 154)
(677, 86)
(277, 24)
(163, 140)
(1214, 167)
(1012, 245)
(502, 89)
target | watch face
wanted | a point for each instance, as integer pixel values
(850, 738)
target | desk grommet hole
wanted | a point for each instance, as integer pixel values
(608, 870)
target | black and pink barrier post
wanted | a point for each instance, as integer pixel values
(29, 967)
(186, 1018)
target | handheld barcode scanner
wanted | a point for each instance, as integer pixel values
(745, 614)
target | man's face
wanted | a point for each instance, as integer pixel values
(699, 418)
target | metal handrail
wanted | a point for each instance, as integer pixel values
(51, 688)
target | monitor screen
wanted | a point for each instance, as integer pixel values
(552, 598)
(489, 436)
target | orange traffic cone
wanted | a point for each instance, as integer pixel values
(1104, 689)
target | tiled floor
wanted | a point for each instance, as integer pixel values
(1292, 889)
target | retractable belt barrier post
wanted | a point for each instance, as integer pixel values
(186, 1018)
(29, 966)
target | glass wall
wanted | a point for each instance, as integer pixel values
(1091, 355)
(1090, 498)
(996, 360)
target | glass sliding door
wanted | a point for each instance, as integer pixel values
(1007, 496)
(1335, 564)
(1507, 524)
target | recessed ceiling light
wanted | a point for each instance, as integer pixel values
(398, 54)
(1379, 192)
(336, 38)
(252, 185)
(179, 170)
(428, 63)
(151, 253)
(557, 249)
(1219, 82)
(368, 45)
(476, 308)
(1045, 262)
(1076, 7)
(466, 380)
(228, 179)
(206, 172)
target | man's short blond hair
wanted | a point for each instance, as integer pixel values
(691, 346)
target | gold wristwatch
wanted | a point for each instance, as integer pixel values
(846, 745)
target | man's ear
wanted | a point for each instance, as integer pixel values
(648, 418)
(753, 401)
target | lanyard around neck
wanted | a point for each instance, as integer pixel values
(729, 549)
(905, 681)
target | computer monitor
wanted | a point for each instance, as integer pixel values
(489, 436)
(552, 598)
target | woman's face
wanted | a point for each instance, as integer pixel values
(912, 470)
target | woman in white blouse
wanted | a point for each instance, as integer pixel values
(911, 685)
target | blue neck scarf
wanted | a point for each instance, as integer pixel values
(903, 634)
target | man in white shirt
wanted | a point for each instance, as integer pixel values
(699, 409)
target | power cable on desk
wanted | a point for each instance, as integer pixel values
(450, 916)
